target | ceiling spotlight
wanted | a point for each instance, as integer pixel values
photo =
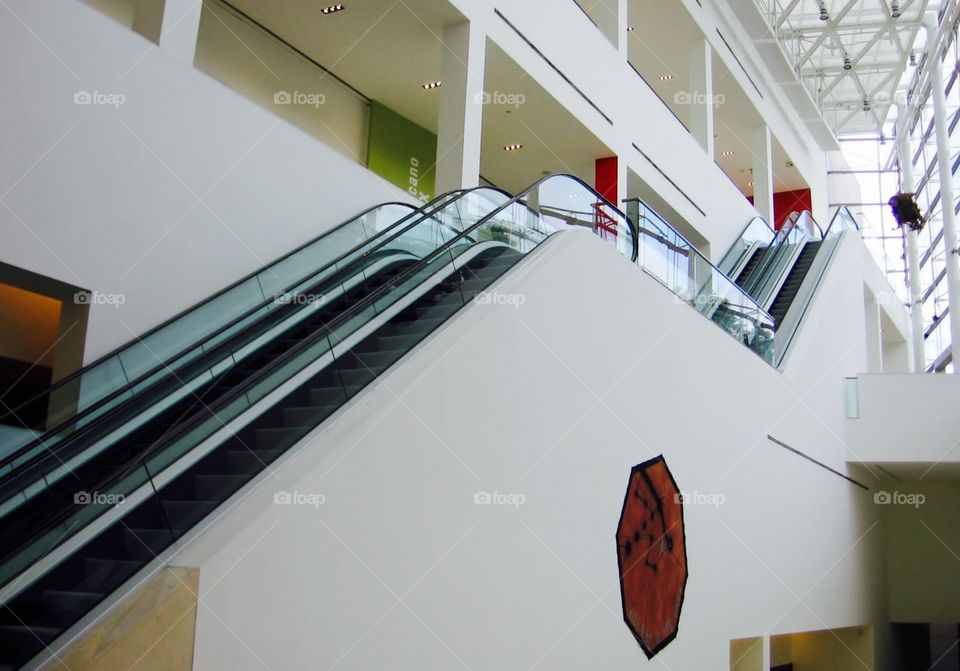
(666, 78)
(630, 29)
(824, 15)
(728, 152)
(513, 147)
(432, 85)
(895, 9)
(333, 8)
(847, 63)
(866, 104)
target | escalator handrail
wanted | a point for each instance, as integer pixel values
(781, 238)
(256, 376)
(773, 233)
(710, 263)
(39, 440)
(836, 215)
(183, 313)
(120, 471)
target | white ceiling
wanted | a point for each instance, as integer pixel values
(660, 46)
(387, 50)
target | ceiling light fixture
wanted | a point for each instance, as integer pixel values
(513, 147)
(333, 8)
(895, 9)
(666, 78)
(630, 29)
(824, 15)
(847, 63)
(728, 152)
(866, 104)
(913, 59)
(432, 85)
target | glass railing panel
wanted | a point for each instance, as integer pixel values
(842, 222)
(777, 261)
(677, 264)
(452, 235)
(94, 384)
(90, 505)
(757, 234)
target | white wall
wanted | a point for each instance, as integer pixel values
(577, 48)
(106, 198)
(906, 419)
(249, 61)
(922, 547)
(506, 399)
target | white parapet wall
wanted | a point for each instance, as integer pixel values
(906, 419)
(128, 173)
(384, 554)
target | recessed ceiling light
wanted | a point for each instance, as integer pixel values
(729, 152)
(432, 85)
(513, 147)
(333, 8)
(666, 78)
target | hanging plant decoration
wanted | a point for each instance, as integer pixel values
(906, 211)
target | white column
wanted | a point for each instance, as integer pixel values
(461, 107)
(172, 24)
(946, 185)
(623, 17)
(702, 107)
(762, 149)
(913, 245)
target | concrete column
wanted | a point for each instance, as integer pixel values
(913, 245)
(946, 185)
(762, 150)
(623, 16)
(701, 101)
(172, 24)
(462, 99)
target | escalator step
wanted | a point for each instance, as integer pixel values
(327, 396)
(105, 575)
(279, 438)
(308, 416)
(217, 487)
(378, 361)
(419, 327)
(356, 377)
(184, 515)
(137, 541)
(398, 342)
(20, 643)
(249, 461)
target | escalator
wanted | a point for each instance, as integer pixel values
(158, 460)
(791, 286)
(782, 271)
(756, 258)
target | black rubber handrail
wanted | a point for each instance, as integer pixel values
(183, 313)
(403, 224)
(701, 255)
(120, 471)
(98, 421)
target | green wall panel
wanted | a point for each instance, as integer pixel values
(402, 152)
